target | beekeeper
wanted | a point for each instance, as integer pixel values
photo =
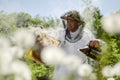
(73, 37)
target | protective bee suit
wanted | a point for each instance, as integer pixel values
(71, 42)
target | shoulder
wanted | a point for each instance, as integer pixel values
(88, 33)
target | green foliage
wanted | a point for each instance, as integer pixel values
(7, 22)
(110, 56)
(39, 70)
(13, 21)
(47, 21)
(112, 40)
(23, 19)
(36, 20)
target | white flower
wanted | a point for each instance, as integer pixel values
(17, 52)
(4, 44)
(5, 62)
(5, 56)
(20, 70)
(116, 69)
(23, 38)
(111, 23)
(52, 55)
(107, 71)
(85, 70)
(110, 79)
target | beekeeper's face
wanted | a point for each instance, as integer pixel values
(72, 25)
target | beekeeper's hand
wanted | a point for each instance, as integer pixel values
(94, 44)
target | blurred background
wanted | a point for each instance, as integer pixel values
(19, 19)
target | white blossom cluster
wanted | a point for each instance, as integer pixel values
(54, 56)
(11, 51)
(111, 23)
(110, 71)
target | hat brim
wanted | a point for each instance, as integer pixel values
(69, 18)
